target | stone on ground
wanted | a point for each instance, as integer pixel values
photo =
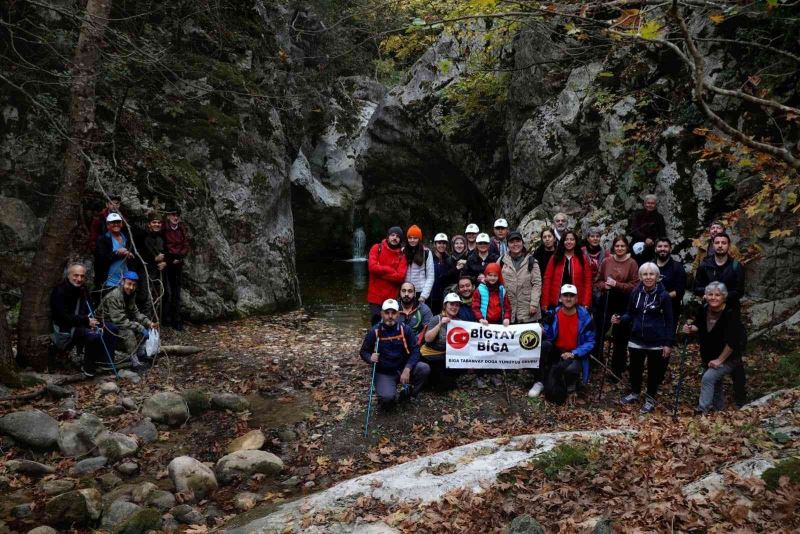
(88, 465)
(116, 446)
(44, 529)
(58, 392)
(144, 430)
(77, 438)
(524, 524)
(29, 467)
(246, 500)
(160, 499)
(166, 407)
(246, 463)
(107, 388)
(199, 401)
(130, 376)
(142, 491)
(118, 512)
(56, 487)
(33, 428)
(141, 521)
(128, 403)
(253, 440)
(187, 515)
(714, 482)
(188, 474)
(79, 507)
(128, 468)
(230, 401)
(109, 481)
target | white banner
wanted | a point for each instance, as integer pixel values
(494, 346)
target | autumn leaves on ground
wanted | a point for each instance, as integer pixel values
(308, 389)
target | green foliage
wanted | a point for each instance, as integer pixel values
(474, 98)
(789, 468)
(562, 456)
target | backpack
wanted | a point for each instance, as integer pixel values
(555, 385)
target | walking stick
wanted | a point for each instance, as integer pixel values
(679, 384)
(508, 393)
(103, 341)
(371, 387)
(603, 348)
(605, 367)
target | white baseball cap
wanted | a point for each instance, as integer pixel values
(501, 223)
(638, 247)
(452, 297)
(566, 289)
(483, 238)
(390, 304)
(113, 217)
(472, 228)
(440, 237)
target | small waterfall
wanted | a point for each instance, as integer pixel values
(359, 245)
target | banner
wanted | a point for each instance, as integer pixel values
(494, 346)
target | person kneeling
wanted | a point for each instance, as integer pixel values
(568, 341)
(433, 351)
(119, 309)
(392, 348)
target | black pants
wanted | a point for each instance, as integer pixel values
(620, 334)
(656, 369)
(739, 385)
(550, 357)
(172, 293)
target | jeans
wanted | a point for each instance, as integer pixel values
(656, 369)
(386, 385)
(711, 388)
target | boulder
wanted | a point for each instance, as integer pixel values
(22, 511)
(140, 522)
(198, 400)
(118, 512)
(128, 468)
(144, 430)
(29, 467)
(33, 428)
(109, 481)
(142, 491)
(187, 515)
(160, 499)
(116, 446)
(253, 440)
(166, 407)
(230, 401)
(88, 465)
(107, 388)
(524, 524)
(56, 487)
(188, 474)
(58, 392)
(79, 507)
(128, 403)
(246, 463)
(77, 438)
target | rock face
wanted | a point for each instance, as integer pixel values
(188, 474)
(246, 463)
(33, 428)
(166, 407)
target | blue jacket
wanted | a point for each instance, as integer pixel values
(395, 353)
(465, 312)
(650, 313)
(585, 337)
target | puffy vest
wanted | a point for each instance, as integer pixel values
(484, 291)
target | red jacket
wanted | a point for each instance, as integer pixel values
(496, 311)
(387, 271)
(581, 279)
(176, 242)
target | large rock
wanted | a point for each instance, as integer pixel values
(139, 522)
(80, 507)
(166, 407)
(188, 474)
(115, 446)
(197, 400)
(33, 428)
(77, 438)
(230, 401)
(144, 430)
(88, 465)
(246, 463)
(253, 440)
(118, 512)
(29, 467)
(524, 524)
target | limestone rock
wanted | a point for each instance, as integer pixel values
(128, 403)
(188, 474)
(88, 465)
(77, 438)
(253, 440)
(230, 401)
(246, 463)
(33, 428)
(166, 407)
(144, 430)
(29, 467)
(116, 446)
(118, 512)
(80, 507)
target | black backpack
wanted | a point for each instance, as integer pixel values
(555, 385)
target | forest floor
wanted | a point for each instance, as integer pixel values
(308, 390)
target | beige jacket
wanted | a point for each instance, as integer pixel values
(523, 287)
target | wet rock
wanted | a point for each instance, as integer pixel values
(130, 376)
(88, 465)
(524, 524)
(253, 440)
(230, 401)
(56, 487)
(44, 529)
(160, 499)
(145, 430)
(116, 446)
(76, 438)
(58, 392)
(166, 407)
(22, 511)
(33, 428)
(128, 468)
(29, 467)
(140, 522)
(107, 388)
(142, 491)
(188, 474)
(246, 500)
(118, 512)
(109, 481)
(198, 400)
(128, 403)
(80, 507)
(246, 463)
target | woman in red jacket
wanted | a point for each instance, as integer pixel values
(567, 266)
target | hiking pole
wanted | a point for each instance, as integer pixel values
(103, 341)
(371, 387)
(679, 384)
(605, 367)
(508, 394)
(603, 347)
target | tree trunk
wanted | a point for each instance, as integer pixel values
(48, 263)
(8, 372)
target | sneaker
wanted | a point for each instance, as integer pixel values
(88, 373)
(648, 406)
(630, 398)
(536, 390)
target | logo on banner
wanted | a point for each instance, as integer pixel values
(529, 339)
(457, 337)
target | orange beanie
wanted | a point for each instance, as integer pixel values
(414, 231)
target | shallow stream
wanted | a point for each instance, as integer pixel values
(335, 290)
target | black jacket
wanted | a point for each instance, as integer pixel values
(476, 265)
(728, 330)
(149, 245)
(543, 256)
(730, 273)
(63, 300)
(104, 256)
(673, 277)
(647, 224)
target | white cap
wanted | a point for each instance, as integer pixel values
(390, 304)
(452, 297)
(113, 216)
(501, 223)
(472, 228)
(440, 237)
(566, 288)
(638, 247)
(483, 238)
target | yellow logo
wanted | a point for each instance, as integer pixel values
(529, 340)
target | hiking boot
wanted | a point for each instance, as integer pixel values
(648, 406)
(630, 398)
(536, 390)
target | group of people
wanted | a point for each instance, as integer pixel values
(137, 287)
(577, 289)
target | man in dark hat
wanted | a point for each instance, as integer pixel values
(176, 244)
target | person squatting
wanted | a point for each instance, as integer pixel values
(582, 295)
